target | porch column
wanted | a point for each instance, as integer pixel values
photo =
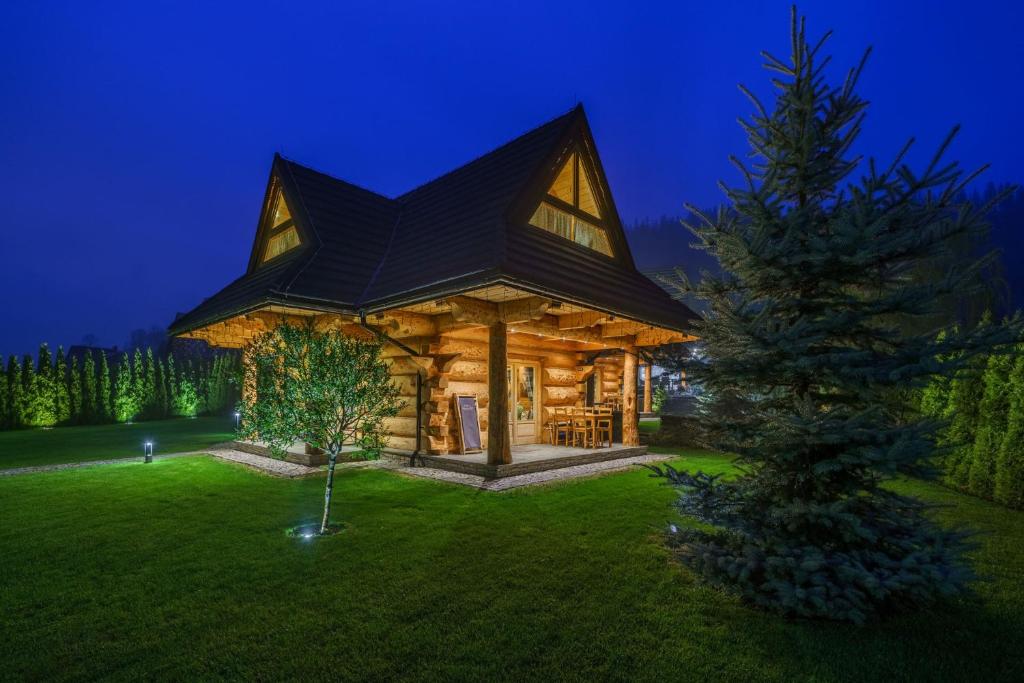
(630, 429)
(499, 448)
(647, 387)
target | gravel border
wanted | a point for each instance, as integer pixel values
(521, 480)
(291, 470)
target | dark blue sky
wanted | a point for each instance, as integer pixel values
(136, 138)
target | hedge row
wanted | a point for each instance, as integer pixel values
(983, 441)
(55, 391)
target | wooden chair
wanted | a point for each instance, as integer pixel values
(560, 427)
(602, 427)
(582, 434)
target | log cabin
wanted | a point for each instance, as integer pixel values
(509, 279)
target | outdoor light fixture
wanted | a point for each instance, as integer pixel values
(148, 451)
(238, 419)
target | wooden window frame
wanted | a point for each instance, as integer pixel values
(573, 210)
(273, 231)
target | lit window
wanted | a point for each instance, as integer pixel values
(572, 188)
(571, 228)
(281, 212)
(281, 242)
(282, 235)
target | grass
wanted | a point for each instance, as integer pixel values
(181, 570)
(650, 426)
(30, 447)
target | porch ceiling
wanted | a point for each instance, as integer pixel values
(531, 319)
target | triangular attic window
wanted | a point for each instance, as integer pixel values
(586, 201)
(282, 236)
(572, 188)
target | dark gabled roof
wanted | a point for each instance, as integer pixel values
(362, 251)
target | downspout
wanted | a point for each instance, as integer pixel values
(419, 384)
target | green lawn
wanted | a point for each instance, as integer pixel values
(181, 570)
(650, 426)
(28, 447)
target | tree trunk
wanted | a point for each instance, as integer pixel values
(332, 459)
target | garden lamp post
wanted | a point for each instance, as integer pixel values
(148, 451)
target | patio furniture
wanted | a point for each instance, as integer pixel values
(580, 427)
(602, 427)
(560, 427)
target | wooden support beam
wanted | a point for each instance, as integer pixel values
(630, 419)
(572, 321)
(622, 329)
(519, 310)
(647, 387)
(499, 447)
(404, 324)
(466, 309)
(659, 337)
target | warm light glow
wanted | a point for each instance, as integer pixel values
(574, 229)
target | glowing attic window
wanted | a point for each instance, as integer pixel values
(281, 231)
(571, 211)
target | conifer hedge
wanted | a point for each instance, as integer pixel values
(982, 409)
(53, 392)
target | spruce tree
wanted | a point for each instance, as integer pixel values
(139, 381)
(43, 409)
(1009, 479)
(802, 332)
(30, 392)
(75, 392)
(89, 407)
(125, 403)
(171, 382)
(149, 396)
(962, 410)
(104, 395)
(61, 399)
(991, 426)
(162, 407)
(935, 396)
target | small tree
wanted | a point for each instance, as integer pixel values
(90, 413)
(104, 393)
(660, 396)
(41, 407)
(32, 402)
(61, 400)
(126, 404)
(965, 391)
(322, 388)
(138, 381)
(75, 392)
(1009, 484)
(991, 425)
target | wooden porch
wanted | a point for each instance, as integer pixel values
(476, 344)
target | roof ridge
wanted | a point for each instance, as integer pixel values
(336, 179)
(494, 150)
(358, 303)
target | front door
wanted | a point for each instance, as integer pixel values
(523, 404)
